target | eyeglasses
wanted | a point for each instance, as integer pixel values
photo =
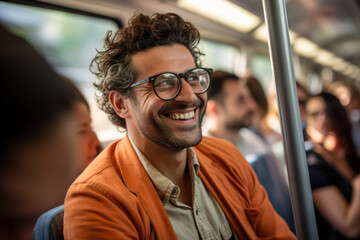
(167, 85)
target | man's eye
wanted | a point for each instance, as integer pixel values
(240, 99)
(193, 77)
(164, 82)
(81, 131)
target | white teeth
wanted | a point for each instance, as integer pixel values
(186, 116)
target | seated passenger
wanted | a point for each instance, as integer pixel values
(87, 142)
(333, 167)
(38, 148)
(164, 180)
(261, 106)
(261, 124)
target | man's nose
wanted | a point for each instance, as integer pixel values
(186, 93)
(94, 142)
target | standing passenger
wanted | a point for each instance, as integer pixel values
(164, 180)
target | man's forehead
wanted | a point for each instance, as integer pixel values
(154, 60)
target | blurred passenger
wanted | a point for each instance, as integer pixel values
(87, 141)
(349, 97)
(230, 111)
(271, 125)
(267, 124)
(38, 148)
(261, 106)
(333, 167)
(302, 95)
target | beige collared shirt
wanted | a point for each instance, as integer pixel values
(205, 219)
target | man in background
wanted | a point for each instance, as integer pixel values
(230, 111)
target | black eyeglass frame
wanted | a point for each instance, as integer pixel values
(179, 76)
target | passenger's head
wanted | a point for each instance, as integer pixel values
(38, 151)
(317, 119)
(87, 141)
(258, 94)
(114, 66)
(326, 115)
(145, 49)
(230, 101)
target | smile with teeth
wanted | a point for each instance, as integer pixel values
(185, 116)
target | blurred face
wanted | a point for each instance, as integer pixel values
(87, 141)
(238, 106)
(316, 118)
(173, 124)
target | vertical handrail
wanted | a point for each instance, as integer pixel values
(293, 140)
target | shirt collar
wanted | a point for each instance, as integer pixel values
(165, 188)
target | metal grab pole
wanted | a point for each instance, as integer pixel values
(293, 140)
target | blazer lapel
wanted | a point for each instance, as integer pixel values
(138, 182)
(226, 195)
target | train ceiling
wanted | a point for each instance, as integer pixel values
(326, 32)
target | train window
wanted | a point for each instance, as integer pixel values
(68, 40)
(220, 56)
(261, 69)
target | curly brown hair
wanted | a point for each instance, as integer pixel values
(113, 66)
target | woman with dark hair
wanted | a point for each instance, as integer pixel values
(333, 167)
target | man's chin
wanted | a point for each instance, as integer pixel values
(184, 142)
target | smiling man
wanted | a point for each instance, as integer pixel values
(164, 180)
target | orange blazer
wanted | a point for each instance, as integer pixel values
(115, 199)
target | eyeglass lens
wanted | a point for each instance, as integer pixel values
(167, 85)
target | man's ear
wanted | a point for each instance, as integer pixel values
(211, 108)
(119, 104)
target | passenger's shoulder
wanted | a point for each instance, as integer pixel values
(220, 151)
(101, 170)
(215, 144)
(225, 157)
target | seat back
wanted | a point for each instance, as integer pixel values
(49, 225)
(273, 180)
